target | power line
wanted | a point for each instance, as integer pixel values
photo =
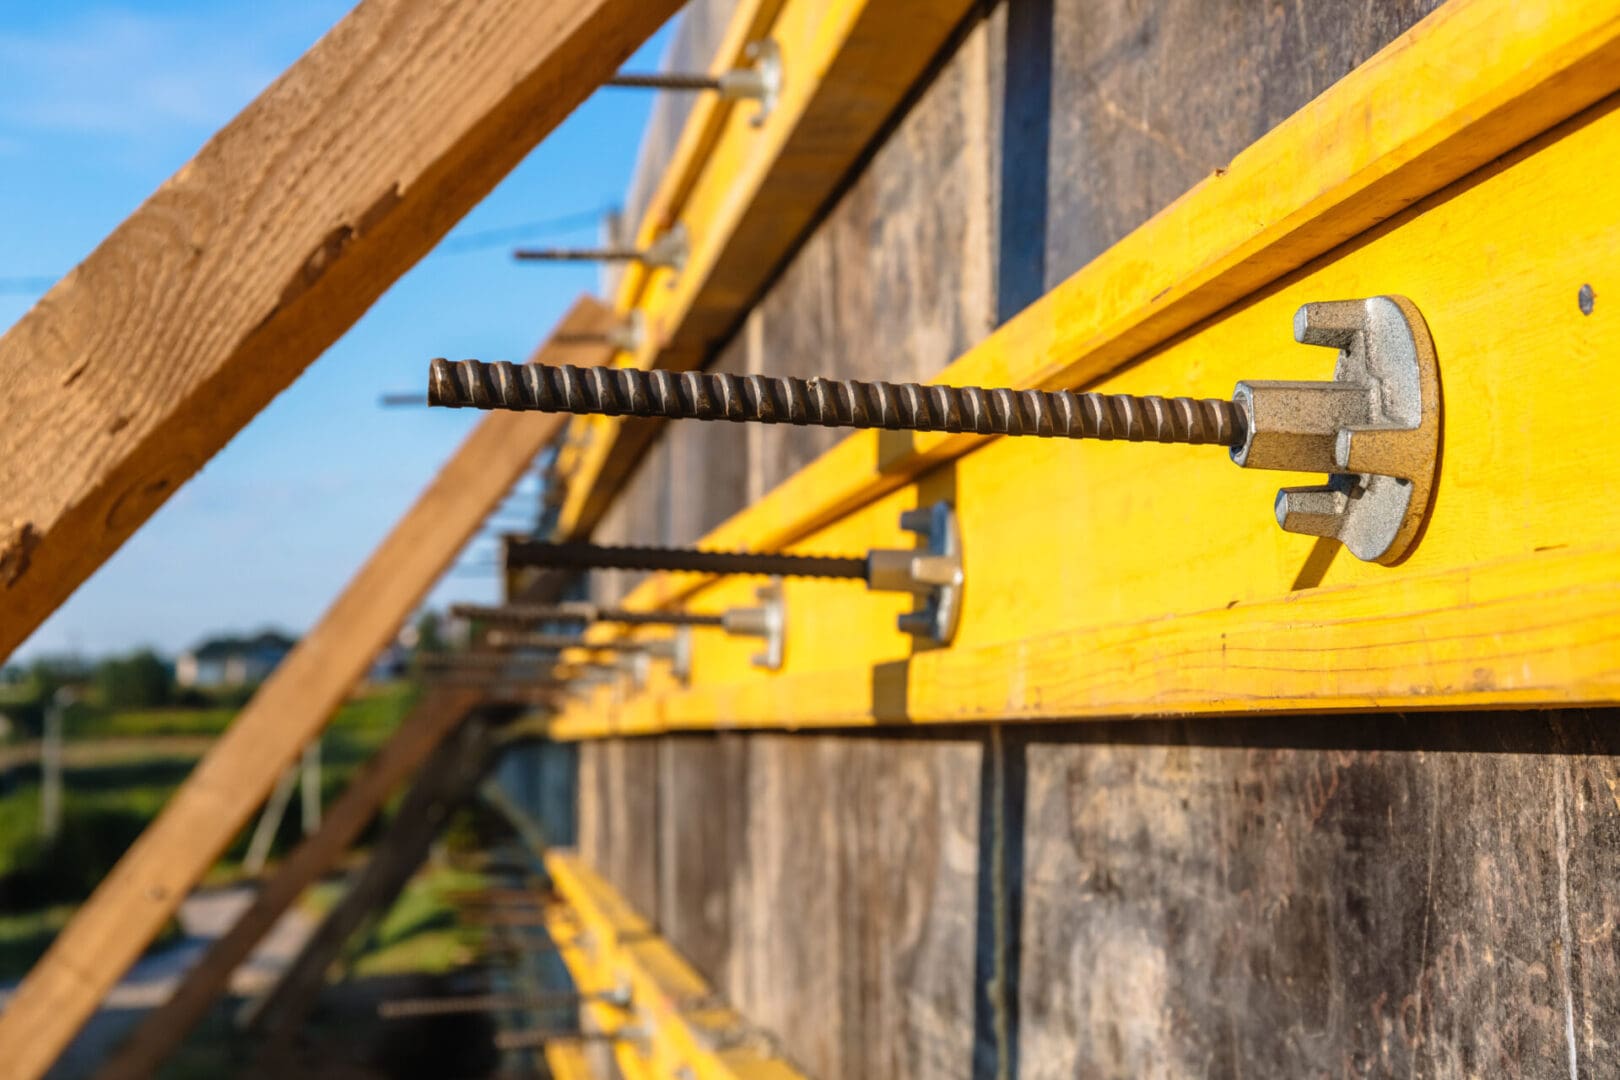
(455, 244)
(508, 234)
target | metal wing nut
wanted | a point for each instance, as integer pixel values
(1375, 427)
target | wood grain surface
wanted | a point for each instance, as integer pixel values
(1360, 894)
(447, 781)
(241, 269)
(1373, 896)
(846, 875)
(145, 888)
(420, 734)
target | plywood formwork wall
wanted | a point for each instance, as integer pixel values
(1355, 895)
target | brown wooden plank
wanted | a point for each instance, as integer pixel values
(1350, 896)
(703, 813)
(855, 903)
(433, 719)
(619, 822)
(131, 905)
(242, 268)
(631, 859)
(827, 884)
(447, 782)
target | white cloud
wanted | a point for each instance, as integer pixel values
(134, 76)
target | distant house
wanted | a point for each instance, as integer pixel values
(232, 661)
(390, 664)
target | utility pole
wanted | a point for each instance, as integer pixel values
(306, 777)
(50, 765)
(311, 789)
(264, 833)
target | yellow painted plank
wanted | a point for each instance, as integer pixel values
(847, 64)
(566, 1061)
(1115, 578)
(685, 1031)
(577, 950)
(1528, 631)
(590, 437)
(1470, 82)
(751, 21)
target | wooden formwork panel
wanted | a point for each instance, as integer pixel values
(1372, 895)
(1108, 579)
(828, 888)
(1179, 886)
(746, 194)
(673, 1024)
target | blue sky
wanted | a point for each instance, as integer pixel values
(99, 103)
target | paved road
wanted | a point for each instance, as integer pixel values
(80, 753)
(204, 916)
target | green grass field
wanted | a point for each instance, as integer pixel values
(420, 933)
(108, 802)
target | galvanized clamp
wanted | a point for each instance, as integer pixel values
(768, 622)
(933, 572)
(762, 82)
(1375, 428)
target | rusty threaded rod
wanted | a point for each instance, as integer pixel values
(471, 660)
(578, 254)
(697, 395)
(536, 553)
(485, 1003)
(537, 1038)
(580, 613)
(669, 80)
(504, 639)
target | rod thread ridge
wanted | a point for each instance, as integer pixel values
(850, 403)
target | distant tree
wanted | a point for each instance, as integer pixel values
(429, 633)
(140, 680)
(47, 678)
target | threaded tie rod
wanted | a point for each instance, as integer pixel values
(485, 1003)
(505, 639)
(536, 1038)
(669, 80)
(696, 395)
(579, 254)
(581, 613)
(535, 553)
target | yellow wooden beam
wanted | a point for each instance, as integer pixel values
(1119, 579)
(145, 888)
(746, 195)
(592, 979)
(1467, 84)
(710, 118)
(586, 446)
(685, 1033)
(567, 1061)
(1530, 631)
